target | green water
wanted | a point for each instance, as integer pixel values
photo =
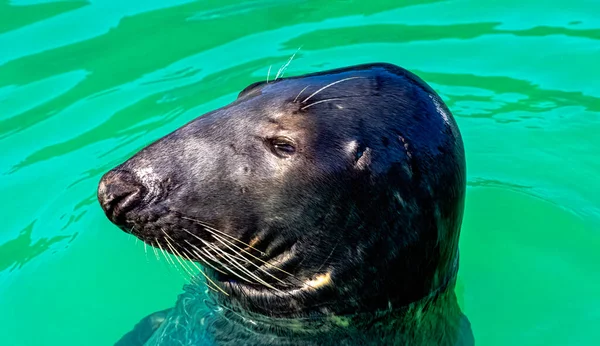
(85, 84)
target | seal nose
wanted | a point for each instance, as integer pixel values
(119, 192)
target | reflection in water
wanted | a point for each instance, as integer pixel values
(538, 100)
(150, 113)
(397, 33)
(474, 182)
(17, 252)
(14, 17)
(126, 45)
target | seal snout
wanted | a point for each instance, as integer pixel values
(119, 192)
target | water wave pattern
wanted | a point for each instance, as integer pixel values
(85, 84)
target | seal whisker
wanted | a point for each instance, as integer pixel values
(225, 241)
(300, 93)
(146, 251)
(136, 238)
(224, 256)
(269, 73)
(327, 86)
(254, 276)
(214, 259)
(161, 250)
(181, 263)
(321, 101)
(206, 262)
(328, 256)
(259, 259)
(155, 251)
(170, 245)
(197, 253)
(234, 273)
(210, 228)
(169, 261)
(252, 263)
(214, 234)
(228, 257)
(206, 277)
(214, 290)
(282, 68)
(211, 256)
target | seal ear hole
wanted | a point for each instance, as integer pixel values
(283, 147)
(358, 155)
(247, 90)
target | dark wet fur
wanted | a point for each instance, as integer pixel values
(382, 219)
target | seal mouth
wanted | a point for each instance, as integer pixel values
(271, 274)
(120, 206)
(265, 263)
(247, 268)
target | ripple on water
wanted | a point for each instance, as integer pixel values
(84, 85)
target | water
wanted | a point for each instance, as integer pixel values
(85, 84)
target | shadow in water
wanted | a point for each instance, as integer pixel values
(15, 253)
(13, 17)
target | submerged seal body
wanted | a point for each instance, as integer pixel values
(324, 209)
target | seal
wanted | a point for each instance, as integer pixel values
(323, 209)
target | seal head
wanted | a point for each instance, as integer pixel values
(330, 193)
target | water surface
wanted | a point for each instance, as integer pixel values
(85, 84)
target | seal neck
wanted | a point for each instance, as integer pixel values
(436, 314)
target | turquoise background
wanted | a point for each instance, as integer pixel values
(85, 84)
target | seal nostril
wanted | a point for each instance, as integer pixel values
(119, 192)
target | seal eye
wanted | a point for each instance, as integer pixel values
(282, 146)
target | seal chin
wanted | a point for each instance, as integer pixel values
(297, 287)
(241, 270)
(247, 277)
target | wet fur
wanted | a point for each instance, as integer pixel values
(373, 196)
